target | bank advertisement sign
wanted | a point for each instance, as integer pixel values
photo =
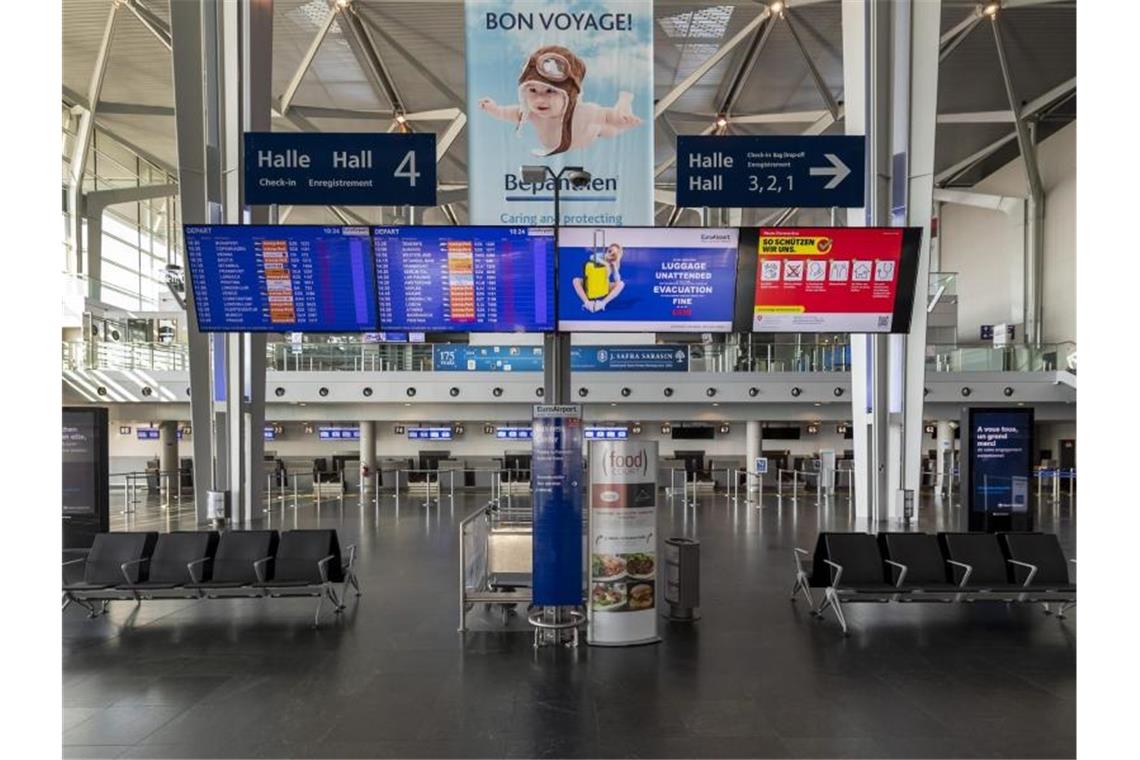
(560, 84)
(622, 532)
(646, 279)
(557, 484)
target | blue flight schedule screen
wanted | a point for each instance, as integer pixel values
(465, 279)
(250, 278)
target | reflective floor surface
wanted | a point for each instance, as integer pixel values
(756, 676)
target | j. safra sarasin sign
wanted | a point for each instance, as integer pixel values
(560, 84)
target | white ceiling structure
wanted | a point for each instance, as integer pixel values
(765, 82)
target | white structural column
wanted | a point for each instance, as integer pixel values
(753, 446)
(245, 101)
(196, 140)
(891, 84)
(367, 454)
(920, 48)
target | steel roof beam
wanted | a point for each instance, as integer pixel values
(286, 99)
(747, 63)
(159, 28)
(950, 173)
(977, 117)
(820, 85)
(391, 41)
(363, 48)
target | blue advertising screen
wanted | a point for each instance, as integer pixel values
(465, 279)
(1000, 459)
(433, 434)
(339, 434)
(250, 278)
(646, 279)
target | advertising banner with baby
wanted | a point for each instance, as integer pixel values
(560, 84)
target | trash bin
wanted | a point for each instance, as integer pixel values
(682, 578)
(217, 508)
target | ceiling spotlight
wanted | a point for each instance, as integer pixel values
(367, 391)
(626, 392)
(497, 391)
(754, 392)
(721, 121)
(146, 391)
(838, 392)
(409, 391)
(966, 391)
(991, 9)
(401, 118)
(323, 392)
(668, 391)
(776, 8)
(710, 392)
(454, 391)
(796, 391)
(540, 392)
(342, 4)
(1008, 391)
(583, 392)
(279, 392)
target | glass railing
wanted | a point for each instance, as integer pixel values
(144, 356)
(942, 284)
(1048, 357)
(722, 358)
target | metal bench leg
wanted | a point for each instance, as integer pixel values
(331, 593)
(103, 609)
(837, 608)
(317, 615)
(66, 601)
(1065, 606)
(1046, 606)
(818, 612)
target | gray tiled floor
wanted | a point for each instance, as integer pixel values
(755, 677)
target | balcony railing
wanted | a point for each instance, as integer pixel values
(417, 357)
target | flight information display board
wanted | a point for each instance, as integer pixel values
(465, 279)
(646, 279)
(248, 278)
(829, 279)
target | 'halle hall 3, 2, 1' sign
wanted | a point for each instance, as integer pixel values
(320, 169)
(813, 171)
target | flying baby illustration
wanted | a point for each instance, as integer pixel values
(550, 87)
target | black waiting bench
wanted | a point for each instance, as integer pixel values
(922, 567)
(259, 564)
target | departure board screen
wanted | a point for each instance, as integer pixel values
(465, 279)
(248, 278)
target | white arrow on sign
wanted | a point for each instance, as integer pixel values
(838, 171)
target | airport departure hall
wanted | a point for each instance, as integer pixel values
(583, 378)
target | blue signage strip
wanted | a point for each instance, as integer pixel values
(333, 169)
(432, 433)
(459, 357)
(662, 358)
(766, 171)
(556, 478)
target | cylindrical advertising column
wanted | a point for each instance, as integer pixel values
(623, 543)
(367, 454)
(944, 440)
(168, 437)
(752, 448)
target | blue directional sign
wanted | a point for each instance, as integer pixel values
(333, 169)
(764, 171)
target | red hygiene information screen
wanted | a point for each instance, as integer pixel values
(827, 279)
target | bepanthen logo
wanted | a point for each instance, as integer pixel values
(625, 464)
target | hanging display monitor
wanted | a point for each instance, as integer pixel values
(248, 278)
(646, 279)
(830, 279)
(465, 279)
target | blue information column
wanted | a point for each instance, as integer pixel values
(556, 480)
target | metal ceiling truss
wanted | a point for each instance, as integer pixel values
(159, 28)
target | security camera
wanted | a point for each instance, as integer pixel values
(579, 178)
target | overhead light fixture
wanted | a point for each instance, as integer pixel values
(776, 8)
(992, 9)
(721, 121)
(401, 118)
(342, 4)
